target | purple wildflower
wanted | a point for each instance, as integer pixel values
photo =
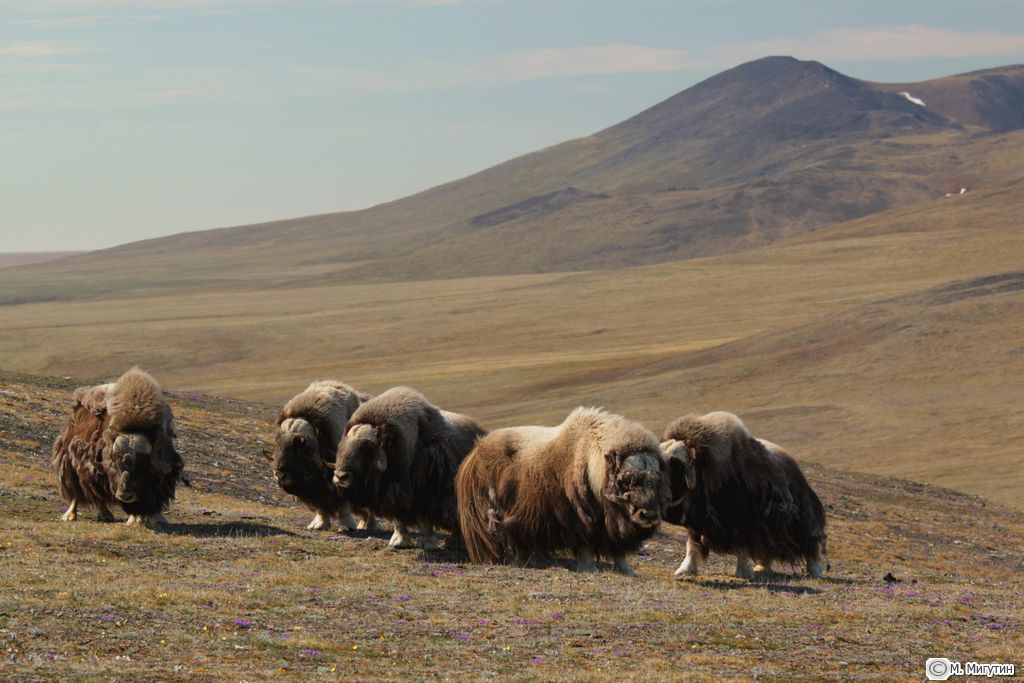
(110, 617)
(525, 622)
(307, 652)
(463, 637)
(243, 623)
(558, 615)
(537, 659)
(403, 598)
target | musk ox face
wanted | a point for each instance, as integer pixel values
(682, 477)
(361, 458)
(297, 462)
(133, 463)
(639, 484)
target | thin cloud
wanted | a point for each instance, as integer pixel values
(590, 60)
(885, 43)
(35, 49)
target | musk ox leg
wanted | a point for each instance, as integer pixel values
(585, 560)
(815, 568)
(367, 522)
(428, 539)
(72, 513)
(133, 520)
(400, 539)
(763, 567)
(743, 569)
(695, 553)
(155, 521)
(104, 514)
(622, 566)
(321, 521)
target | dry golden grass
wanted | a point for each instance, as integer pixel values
(828, 343)
(237, 589)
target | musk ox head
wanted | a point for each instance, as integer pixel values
(362, 458)
(299, 467)
(133, 463)
(682, 476)
(637, 482)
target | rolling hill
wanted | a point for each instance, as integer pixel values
(766, 151)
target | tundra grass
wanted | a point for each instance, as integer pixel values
(235, 588)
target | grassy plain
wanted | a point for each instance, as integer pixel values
(236, 589)
(847, 345)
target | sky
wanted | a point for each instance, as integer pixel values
(123, 120)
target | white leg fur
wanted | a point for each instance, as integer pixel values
(622, 566)
(691, 563)
(104, 514)
(368, 523)
(133, 520)
(585, 560)
(763, 567)
(345, 520)
(400, 538)
(743, 569)
(320, 521)
(72, 513)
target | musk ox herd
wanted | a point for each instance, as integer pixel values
(594, 487)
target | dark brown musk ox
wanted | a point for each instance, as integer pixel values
(306, 438)
(399, 458)
(594, 486)
(117, 446)
(739, 495)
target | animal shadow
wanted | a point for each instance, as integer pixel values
(215, 529)
(763, 584)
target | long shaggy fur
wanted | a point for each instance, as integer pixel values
(309, 429)
(529, 492)
(400, 455)
(749, 497)
(90, 471)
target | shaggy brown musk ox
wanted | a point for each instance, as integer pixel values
(595, 486)
(117, 446)
(399, 458)
(309, 429)
(739, 495)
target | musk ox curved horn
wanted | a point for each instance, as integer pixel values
(678, 451)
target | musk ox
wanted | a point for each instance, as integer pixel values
(117, 446)
(739, 495)
(595, 486)
(306, 439)
(399, 458)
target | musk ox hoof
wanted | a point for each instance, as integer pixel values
(347, 523)
(687, 568)
(429, 542)
(762, 568)
(133, 520)
(368, 524)
(155, 521)
(744, 571)
(69, 516)
(623, 567)
(816, 569)
(319, 523)
(400, 541)
(104, 515)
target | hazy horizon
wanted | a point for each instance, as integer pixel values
(127, 121)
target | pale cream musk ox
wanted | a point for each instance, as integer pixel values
(306, 438)
(399, 458)
(117, 446)
(739, 495)
(595, 486)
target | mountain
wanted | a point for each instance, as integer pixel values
(768, 150)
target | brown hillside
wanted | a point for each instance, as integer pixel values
(766, 151)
